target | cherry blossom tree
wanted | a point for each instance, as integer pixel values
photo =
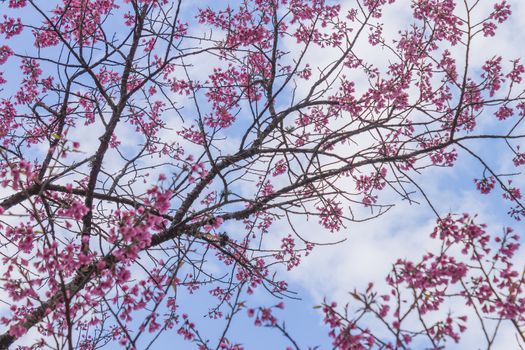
(148, 147)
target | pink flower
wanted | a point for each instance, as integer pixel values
(5, 52)
(213, 223)
(485, 185)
